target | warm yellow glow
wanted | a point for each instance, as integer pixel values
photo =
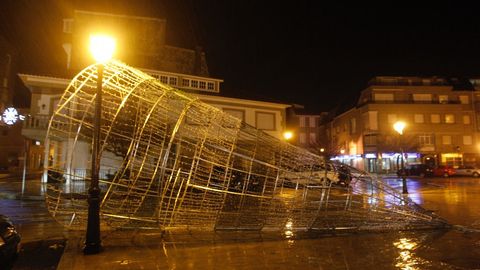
(102, 47)
(287, 135)
(322, 150)
(399, 126)
(342, 151)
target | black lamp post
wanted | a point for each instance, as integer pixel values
(399, 126)
(102, 48)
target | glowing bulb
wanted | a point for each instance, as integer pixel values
(102, 47)
(287, 135)
(399, 126)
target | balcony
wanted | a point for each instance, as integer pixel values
(408, 101)
(35, 127)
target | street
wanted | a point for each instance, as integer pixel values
(455, 199)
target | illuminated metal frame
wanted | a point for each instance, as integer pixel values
(211, 172)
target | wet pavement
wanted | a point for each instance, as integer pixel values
(456, 199)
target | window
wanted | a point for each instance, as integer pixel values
(164, 79)
(425, 139)
(194, 84)
(443, 99)
(392, 118)
(265, 120)
(467, 140)
(302, 138)
(210, 86)
(449, 118)
(312, 122)
(418, 118)
(172, 81)
(202, 85)
(447, 139)
(240, 114)
(466, 119)
(370, 140)
(353, 125)
(435, 118)
(67, 26)
(313, 138)
(464, 99)
(302, 121)
(383, 97)
(422, 97)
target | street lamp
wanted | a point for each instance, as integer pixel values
(102, 48)
(399, 126)
(287, 135)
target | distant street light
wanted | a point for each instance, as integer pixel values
(102, 48)
(287, 135)
(399, 126)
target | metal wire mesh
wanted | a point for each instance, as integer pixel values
(170, 161)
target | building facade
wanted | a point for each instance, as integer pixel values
(441, 126)
(180, 68)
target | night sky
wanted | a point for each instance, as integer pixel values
(300, 52)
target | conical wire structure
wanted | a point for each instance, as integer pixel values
(170, 161)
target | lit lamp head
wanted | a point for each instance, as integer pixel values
(287, 135)
(399, 126)
(102, 47)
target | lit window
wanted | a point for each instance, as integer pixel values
(435, 118)
(383, 97)
(418, 118)
(186, 82)
(425, 139)
(443, 99)
(210, 86)
(464, 99)
(422, 97)
(202, 85)
(466, 119)
(447, 139)
(467, 140)
(449, 118)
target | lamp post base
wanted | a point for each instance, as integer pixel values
(92, 248)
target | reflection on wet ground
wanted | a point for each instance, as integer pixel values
(441, 249)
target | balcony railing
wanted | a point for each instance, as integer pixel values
(36, 122)
(408, 101)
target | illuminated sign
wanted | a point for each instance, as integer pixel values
(10, 116)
